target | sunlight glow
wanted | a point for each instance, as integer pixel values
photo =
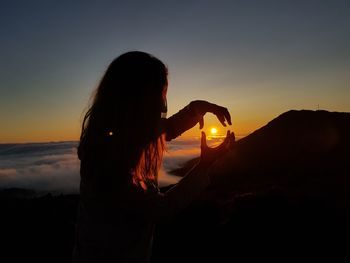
(213, 131)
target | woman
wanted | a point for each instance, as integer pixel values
(121, 149)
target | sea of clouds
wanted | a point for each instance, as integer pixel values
(54, 167)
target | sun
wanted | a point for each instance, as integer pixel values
(213, 131)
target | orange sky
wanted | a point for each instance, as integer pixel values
(258, 60)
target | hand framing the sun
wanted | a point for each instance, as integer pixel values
(210, 155)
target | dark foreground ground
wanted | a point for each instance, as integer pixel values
(267, 226)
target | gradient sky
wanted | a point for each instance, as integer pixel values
(257, 58)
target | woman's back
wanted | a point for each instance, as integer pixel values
(109, 220)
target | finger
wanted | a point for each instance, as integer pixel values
(233, 137)
(227, 116)
(232, 141)
(201, 123)
(203, 140)
(228, 136)
(221, 118)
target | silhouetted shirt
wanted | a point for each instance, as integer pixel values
(116, 223)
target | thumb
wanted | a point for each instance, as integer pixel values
(203, 140)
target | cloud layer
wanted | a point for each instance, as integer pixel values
(54, 167)
(50, 167)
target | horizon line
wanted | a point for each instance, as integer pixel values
(240, 136)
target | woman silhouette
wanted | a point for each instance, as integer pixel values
(121, 147)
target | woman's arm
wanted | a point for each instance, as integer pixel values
(180, 122)
(162, 206)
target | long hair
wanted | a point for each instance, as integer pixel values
(123, 123)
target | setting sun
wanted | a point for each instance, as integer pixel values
(213, 131)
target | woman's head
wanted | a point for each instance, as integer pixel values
(124, 120)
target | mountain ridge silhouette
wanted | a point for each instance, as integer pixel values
(294, 146)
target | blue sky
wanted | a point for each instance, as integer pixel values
(258, 58)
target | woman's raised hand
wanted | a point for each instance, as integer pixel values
(201, 107)
(210, 155)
